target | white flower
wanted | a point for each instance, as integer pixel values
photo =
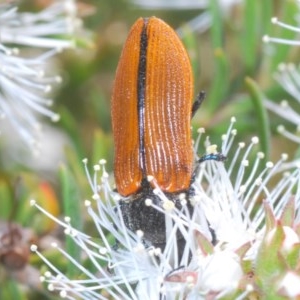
(52, 143)
(220, 271)
(291, 238)
(225, 196)
(25, 77)
(268, 39)
(39, 29)
(288, 77)
(290, 284)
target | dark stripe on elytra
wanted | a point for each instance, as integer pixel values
(141, 97)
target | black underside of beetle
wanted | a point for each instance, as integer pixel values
(138, 216)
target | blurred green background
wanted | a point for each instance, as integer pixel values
(230, 62)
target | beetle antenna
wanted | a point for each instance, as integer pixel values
(199, 99)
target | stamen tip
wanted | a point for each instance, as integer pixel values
(67, 219)
(274, 20)
(211, 149)
(281, 67)
(260, 155)
(87, 203)
(63, 294)
(157, 251)
(284, 104)
(58, 79)
(33, 248)
(55, 118)
(266, 39)
(245, 163)
(242, 189)
(103, 250)
(168, 205)
(150, 178)
(249, 287)
(280, 128)
(255, 140)
(102, 161)
(258, 181)
(140, 233)
(148, 202)
(95, 197)
(96, 167)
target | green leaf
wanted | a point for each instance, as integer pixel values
(9, 289)
(6, 200)
(219, 87)
(263, 124)
(242, 250)
(266, 11)
(292, 257)
(205, 245)
(70, 125)
(257, 16)
(102, 145)
(267, 264)
(217, 34)
(72, 208)
(287, 217)
(270, 217)
(190, 41)
(249, 34)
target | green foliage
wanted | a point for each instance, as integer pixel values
(72, 208)
(276, 256)
(233, 66)
(263, 126)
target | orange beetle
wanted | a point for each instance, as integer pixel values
(151, 118)
(151, 110)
